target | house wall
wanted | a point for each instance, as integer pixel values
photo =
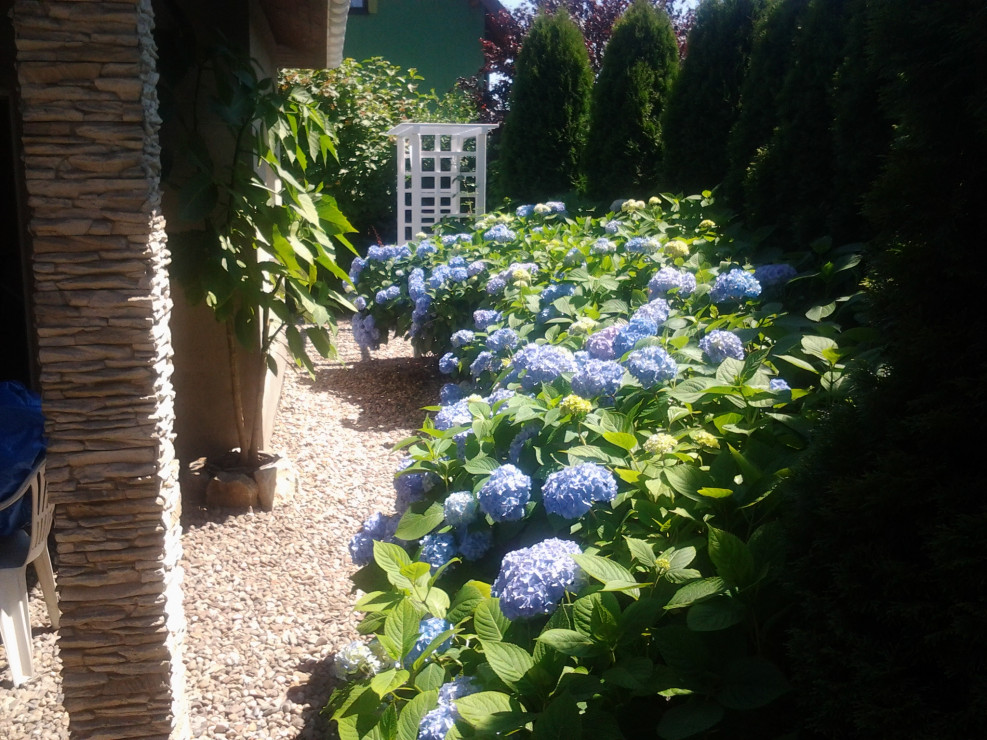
(439, 38)
(91, 160)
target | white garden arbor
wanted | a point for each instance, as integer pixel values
(442, 172)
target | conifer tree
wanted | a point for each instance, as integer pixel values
(705, 101)
(640, 63)
(545, 130)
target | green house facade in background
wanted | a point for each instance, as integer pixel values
(439, 38)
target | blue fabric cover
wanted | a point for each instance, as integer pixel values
(22, 444)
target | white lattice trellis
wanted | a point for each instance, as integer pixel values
(442, 171)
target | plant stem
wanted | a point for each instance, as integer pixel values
(233, 354)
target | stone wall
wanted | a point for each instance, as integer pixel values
(102, 303)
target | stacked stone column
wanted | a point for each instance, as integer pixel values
(102, 306)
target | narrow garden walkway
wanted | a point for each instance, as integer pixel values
(267, 595)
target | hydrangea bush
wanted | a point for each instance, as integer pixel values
(587, 519)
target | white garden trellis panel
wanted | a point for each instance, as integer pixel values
(442, 172)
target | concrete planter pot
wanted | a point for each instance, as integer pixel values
(222, 483)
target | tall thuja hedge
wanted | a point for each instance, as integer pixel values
(888, 538)
(705, 101)
(545, 129)
(624, 147)
(770, 59)
(791, 178)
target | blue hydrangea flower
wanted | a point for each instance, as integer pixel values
(771, 275)
(668, 279)
(360, 302)
(574, 257)
(365, 331)
(455, 415)
(555, 291)
(410, 487)
(612, 226)
(485, 317)
(428, 630)
(425, 248)
(651, 366)
(496, 284)
(378, 527)
(499, 395)
(460, 508)
(502, 340)
(571, 492)
(483, 362)
(388, 294)
(356, 267)
(543, 363)
(450, 239)
(524, 211)
(461, 337)
(377, 253)
(458, 274)
(448, 363)
(532, 580)
(642, 245)
(556, 206)
(603, 246)
(475, 268)
(457, 261)
(437, 549)
(416, 284)
(631, 333)
(456, 689)
(499, 233)
(719, 345)
(656, 310)
(597, 378)
(778, 384)
(600, 345)
(504, 494)
(474, 545)
(449, 393)
(526, 433)
(735, 285)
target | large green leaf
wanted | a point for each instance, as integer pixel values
(384, 683)
(614, 576)
(414, 526)
(510, 662)
(715, 614)
(569, 642)
(411, 716)
(466, 600)
(489, 621)
(696, 591)
(478, 709)
(689, 719)
(560, 720)
(731, 556)
(402, 626)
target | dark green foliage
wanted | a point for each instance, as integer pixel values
(770, 58)
(889, 569)
(705, 101)
(861, 130)
(545, 130)
(624, 147)
(791, 181)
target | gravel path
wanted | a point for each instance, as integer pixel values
(267, 595)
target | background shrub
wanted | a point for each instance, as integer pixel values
(888, 529)
(363, 101)
(705, 100)
(624, 145)
(545, 130)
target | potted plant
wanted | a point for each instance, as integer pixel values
(267, 239)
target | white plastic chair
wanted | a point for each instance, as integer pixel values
(16, 551)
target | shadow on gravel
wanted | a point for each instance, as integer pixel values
(411, 383)
(313, 696)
